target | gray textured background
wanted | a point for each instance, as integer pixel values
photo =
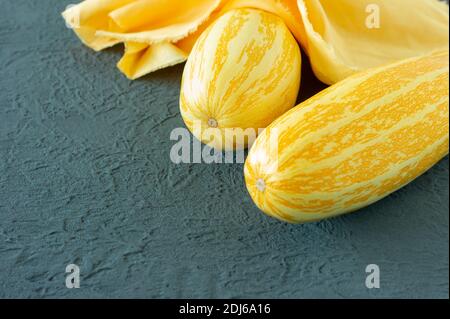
(85, 178)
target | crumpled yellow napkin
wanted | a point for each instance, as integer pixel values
(340, 37)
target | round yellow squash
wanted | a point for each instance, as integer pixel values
(243, 72)
(354, 143)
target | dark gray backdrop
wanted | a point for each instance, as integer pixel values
(85, 178)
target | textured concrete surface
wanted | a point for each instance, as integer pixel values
(85, 178)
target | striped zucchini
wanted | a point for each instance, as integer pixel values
(243, 72)
(354, 143)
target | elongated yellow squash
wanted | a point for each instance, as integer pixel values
(243, 72)
(354, 143)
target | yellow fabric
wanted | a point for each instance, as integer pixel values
(140, 59)
(334, 34)
(339, 42)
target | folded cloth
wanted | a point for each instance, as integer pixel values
(340, 37)
(348, 36)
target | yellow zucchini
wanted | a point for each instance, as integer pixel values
(354, 143)
(243, 72)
